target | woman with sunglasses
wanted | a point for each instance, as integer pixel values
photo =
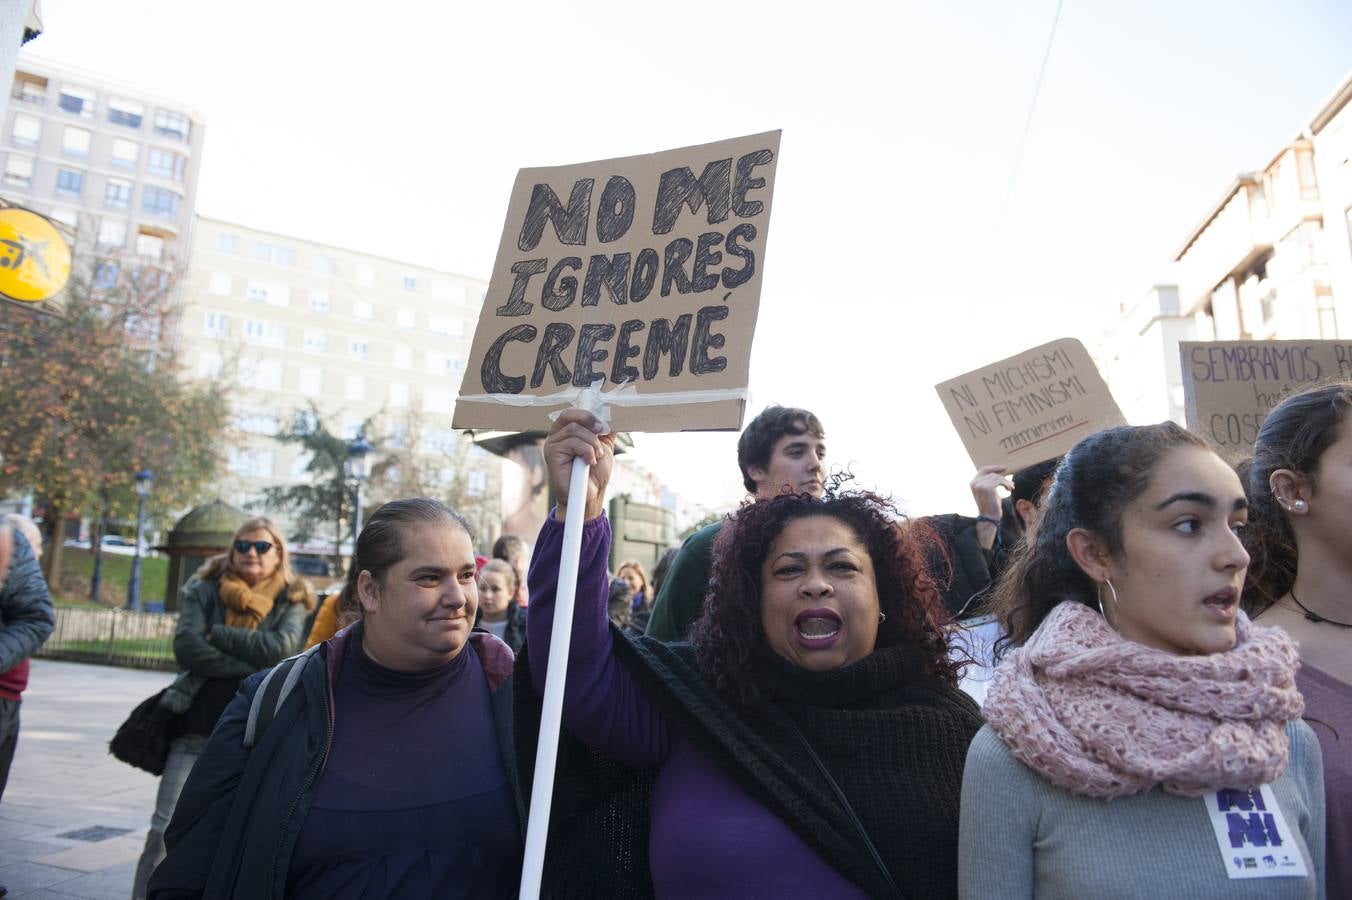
(243, 611)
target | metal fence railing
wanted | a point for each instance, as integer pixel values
(115, 637)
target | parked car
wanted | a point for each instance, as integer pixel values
(113, 543)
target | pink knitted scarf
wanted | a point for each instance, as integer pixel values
(1103, 716)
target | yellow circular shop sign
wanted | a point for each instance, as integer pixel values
(34, 257)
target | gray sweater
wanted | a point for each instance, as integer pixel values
(1021, 836)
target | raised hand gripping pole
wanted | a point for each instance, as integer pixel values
(551, 714)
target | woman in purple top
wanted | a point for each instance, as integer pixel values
(808, 742)
(1300, 578)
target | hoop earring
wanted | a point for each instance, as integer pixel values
(1098, 596)
(1112, 591)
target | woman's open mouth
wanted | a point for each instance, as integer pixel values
(817, 628)
(1224, 603)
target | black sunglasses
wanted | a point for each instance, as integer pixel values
(242, 547)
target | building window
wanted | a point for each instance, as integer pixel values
(217, 325)
(165, 164)
(150, 245)
(286, 256)
(19, 171)
(221, 284)
(27, 90)
(361, 309)
(398, 394)
(125, 153)
(410, 283)
(323, 264)
(227, 242)
(403, 358)
(365, 274)
(439, 325)
(269, 292)
(311, 381)
(455, 366)
(70, 181)
(125, 112)
(355, 388)
(250, 462)
(105, 275)
(263, 251)
(26, 130)
(319, 302)
(76, 100)
(407, 318)
(117, 193)
(257, 422)
(69, 217)
(160, 202)
(171, 124)
(76, 141)
(315, 341)
(260, 331)
(112, 233)
(436, 363)
(360, 349)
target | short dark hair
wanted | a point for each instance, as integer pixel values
(1293, 436)
(1029, 481)
(729, 638)
(380, 545)
(758, 440)
(1095, 483)
(509, 547)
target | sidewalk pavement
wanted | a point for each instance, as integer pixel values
(73, 818)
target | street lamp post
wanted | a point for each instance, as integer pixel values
(143, 481)
(358, 469)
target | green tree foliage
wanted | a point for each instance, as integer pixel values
(96, 395)
(327, 498)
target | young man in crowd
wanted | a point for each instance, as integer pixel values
(782, 451)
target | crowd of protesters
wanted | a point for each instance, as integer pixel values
(781, 707)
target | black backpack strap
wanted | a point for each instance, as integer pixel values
(277, 685)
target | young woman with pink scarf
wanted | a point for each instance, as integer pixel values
(1143, 738)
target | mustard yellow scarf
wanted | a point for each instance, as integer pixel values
(246, 606)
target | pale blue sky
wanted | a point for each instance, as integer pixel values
(401, 135)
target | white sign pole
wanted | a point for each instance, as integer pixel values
(551, 715)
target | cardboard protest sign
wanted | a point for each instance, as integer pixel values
(1230, 386)
(1030, 407)
(643, 272)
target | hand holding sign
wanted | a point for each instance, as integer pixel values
(579, 434)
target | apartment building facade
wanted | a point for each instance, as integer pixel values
(116, 163)
(1271, 260)
(294, 326)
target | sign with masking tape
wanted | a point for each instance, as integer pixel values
(637, 277)
(34, 259)
(1229, 387)
(1031, 407)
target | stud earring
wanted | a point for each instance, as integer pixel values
(882, 617)
(1299, 506)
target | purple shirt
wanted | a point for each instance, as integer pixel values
(709, 837)
(1328, 712)
(414, 799)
